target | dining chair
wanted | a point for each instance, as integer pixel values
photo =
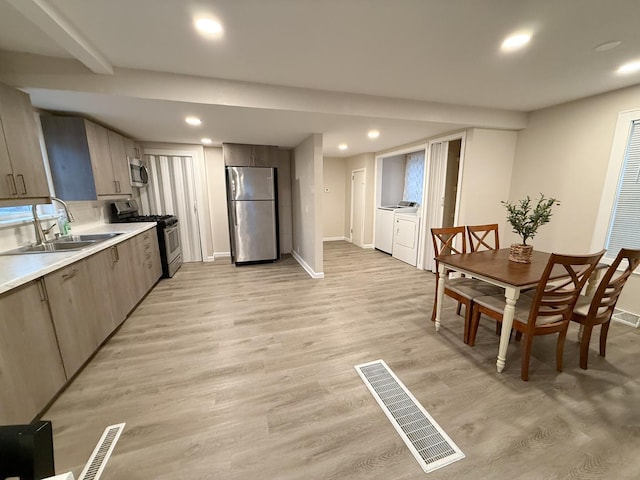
(452, 241)
(598, 309)
(483, 237)
(548, 310)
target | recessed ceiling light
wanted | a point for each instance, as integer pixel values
(628, 68)
(206, 141)
(373, 134)
(514, 42)
(343, 146)
(603, 47)
(195, 121)
(208, 27)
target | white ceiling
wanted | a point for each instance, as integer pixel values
(410, 68)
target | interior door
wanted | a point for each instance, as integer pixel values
(172, 191)
(444, 173)
(358, 190)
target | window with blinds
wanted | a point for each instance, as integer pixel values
(624, 227)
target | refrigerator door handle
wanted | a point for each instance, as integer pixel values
(235, 213)
(234, 174)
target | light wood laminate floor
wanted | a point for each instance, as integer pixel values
(230, 372)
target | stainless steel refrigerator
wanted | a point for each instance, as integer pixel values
(252, 202)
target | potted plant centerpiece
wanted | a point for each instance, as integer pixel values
(525, 221)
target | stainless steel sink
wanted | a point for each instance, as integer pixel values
(50, 247)
(93, 237)
(64, 244)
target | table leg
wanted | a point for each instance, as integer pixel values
(440, 294)
(511, 295)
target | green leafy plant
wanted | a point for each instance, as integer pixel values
(526, 219)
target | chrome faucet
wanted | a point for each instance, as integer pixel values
(67, 212)
(41, 235)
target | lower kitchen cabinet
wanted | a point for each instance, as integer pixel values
(31, 371)
(147, 262)
(76, 316)
(50, 327)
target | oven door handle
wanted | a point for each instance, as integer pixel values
(169, 230)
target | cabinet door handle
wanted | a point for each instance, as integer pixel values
(119, 189)
(117, 253)
(115, 186)
(114, 254)
(12, 184)
(24, 185)
(43, 290)
(71, 274)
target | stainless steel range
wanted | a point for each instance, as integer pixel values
(126, 211)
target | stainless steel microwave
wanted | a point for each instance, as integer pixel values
(138, 173)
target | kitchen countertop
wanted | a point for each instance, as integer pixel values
(16, 270)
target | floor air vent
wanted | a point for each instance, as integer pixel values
(98, 459)
(428, 443)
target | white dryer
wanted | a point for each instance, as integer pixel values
(406, 236)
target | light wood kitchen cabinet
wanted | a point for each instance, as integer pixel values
(147, 261)
(75, 314)
(101, 280)
(21, 163)
(87, 160)
(132, 149)
(120, 163)
(31, 370)
(123, 273)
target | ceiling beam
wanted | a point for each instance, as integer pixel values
(48, 19)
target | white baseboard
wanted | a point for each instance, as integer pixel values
(368, 245)
(305, 265)
(335, 239)
(218, 255)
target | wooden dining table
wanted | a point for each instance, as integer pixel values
(494, 267)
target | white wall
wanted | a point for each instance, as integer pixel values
(217, 188)
(306, 199)
(564, 152)
(365, 161)
(334, 172)
(393, 174)
(486, 177)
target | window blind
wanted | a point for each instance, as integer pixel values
(624, 228)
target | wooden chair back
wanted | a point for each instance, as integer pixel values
(557, 297)
(610, 287)
(483, 237)
(448, 241)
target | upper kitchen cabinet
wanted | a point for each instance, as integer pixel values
(120, 164)
(241, 155)
(21, 165)
(132, 149)
(88, 161)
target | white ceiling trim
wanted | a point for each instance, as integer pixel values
(64, 33)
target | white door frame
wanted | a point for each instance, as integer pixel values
(202, 198)
(353, 172)
(428, 213)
